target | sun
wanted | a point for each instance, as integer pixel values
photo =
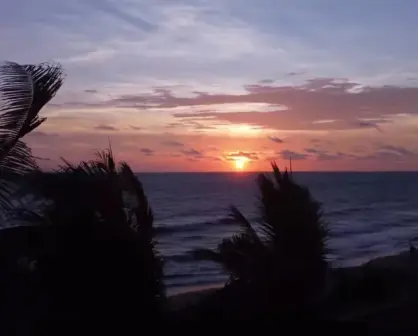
(240, 164)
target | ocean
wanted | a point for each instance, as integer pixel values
(368, 214)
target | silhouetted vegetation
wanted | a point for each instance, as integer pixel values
(284, 265)
(102, 242)
(24, 91)
(91, 246)
(86, 255)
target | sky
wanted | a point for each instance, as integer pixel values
(220, 85)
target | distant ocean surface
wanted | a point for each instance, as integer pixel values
(369, 215)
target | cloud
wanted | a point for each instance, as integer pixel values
(315, 105)
(157, 64)
(291, 155)
(323, 155)
(147, 151)
(104, 127)
(395, 150)
(386, 154)
(136, 128)
(213, 158)
(295, 73)
(172, 143)
(375, 155)
(189, 124)
(314, 109)
(275, 139)
(326, 121)
(266, 81)
(191, 152)
(321, 141)
(311, 150)
(252, 156)
(184, 40)
(42, 134)
(189, 42)
(371, 123)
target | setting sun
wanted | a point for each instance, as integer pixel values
(240, 163)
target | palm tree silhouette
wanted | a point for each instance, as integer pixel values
(24, 90)
(97, 257)
(282, 261)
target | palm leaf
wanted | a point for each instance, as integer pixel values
(24, 90)
(6, 188)
(238, 217)
(47, 79)
(143, 226)
(290, 259)
(143, 211)
(16, 97)
(19, 161)
(105, 161)
(268, 207)
(239, 255)
(16, 93)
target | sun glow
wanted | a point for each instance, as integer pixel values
(240, 163)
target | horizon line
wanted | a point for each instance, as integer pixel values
(269, 171)
(242, 172)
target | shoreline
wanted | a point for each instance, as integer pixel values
(190, 296)
(196, 288)
(404, 261)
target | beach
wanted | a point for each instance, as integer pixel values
(182, 299)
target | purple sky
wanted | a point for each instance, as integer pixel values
(197, 85)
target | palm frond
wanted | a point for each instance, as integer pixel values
(105, 161)
(143, 212)
(290, 259)
(240, 256)
(18, 161)
(30, 217)
(6, 188)
(24, 90)
(248, 229)
(143, 226)
(16, 97)
(239, 253)
(47, 79)
(276, 172)
(98, 187)
(268, 206)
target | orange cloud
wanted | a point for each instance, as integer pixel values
(325, 124)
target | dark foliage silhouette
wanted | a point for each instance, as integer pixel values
(282, 262)
(24, 91)
(92, 247)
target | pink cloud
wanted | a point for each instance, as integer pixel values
(307, 155)
(276, 139)
(319, 107)
(104, 127)
(347, 104)
(319, 104)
